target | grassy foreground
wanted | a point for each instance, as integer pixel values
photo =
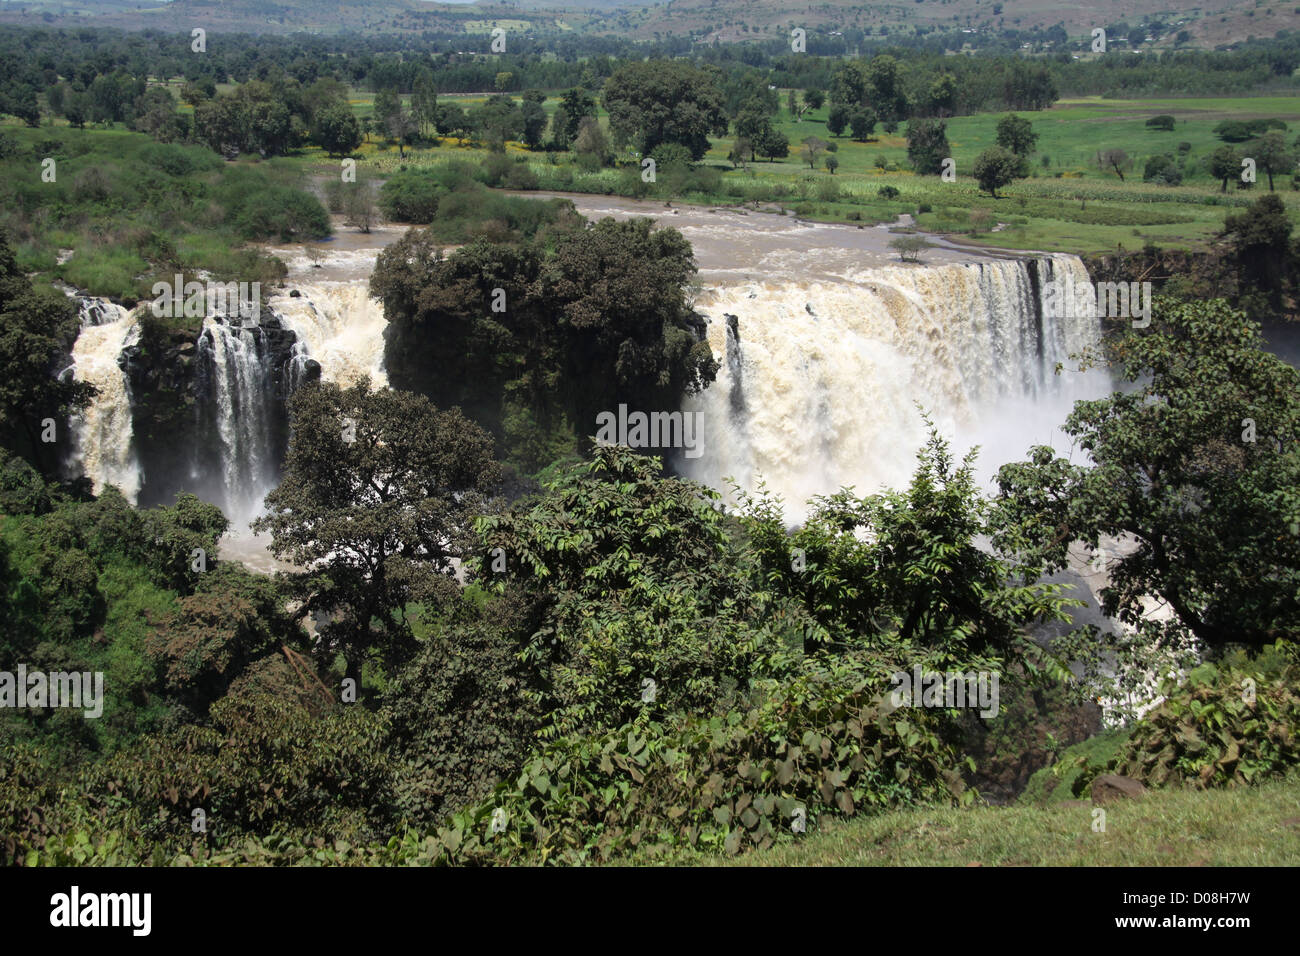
(1246, 827)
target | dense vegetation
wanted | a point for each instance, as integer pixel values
(505, 643)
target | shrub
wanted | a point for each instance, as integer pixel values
(888, 192)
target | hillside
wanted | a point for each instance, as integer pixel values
(1209, 24)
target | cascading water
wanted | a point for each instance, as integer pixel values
(236, 365)
(820, 381)
(339, 326)
(102, 434)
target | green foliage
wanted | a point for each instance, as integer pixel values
(378, 489)
(639, 586)
(997, 167)
(825, 744)
(927, 145)
(665, 101)
(1198, 462)
(1231, 723)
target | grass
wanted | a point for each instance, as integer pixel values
(1247, 827)
(1068, 205)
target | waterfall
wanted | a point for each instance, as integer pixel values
(820, 380)
(103, 448)
(338, 325)
(236, 363)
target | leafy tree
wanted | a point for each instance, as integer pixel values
(665, 101)
(885, 88)
(942, 97)
(863, 123)
(37, 329)
(1223, 164)
(337, 130)
(772, 143)
(593, 143)
(927, 145)
(534, 119)
(1272, 152)
(832, 163)
(997, 167)
(1015, 133)
(606, 551)
(1214, 515)
(910, 247)
(1260, 238)
(378, 491)
(837, 121)
(814, 98)
(1162, 169)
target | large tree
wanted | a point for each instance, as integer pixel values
(665, 101)
(378, 493)
(997, 167)
(1197, 462)
(37, 329)
(927, 145)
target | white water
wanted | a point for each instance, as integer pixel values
(820, 387)
(241, 386)
(102, 439)
(340, 326)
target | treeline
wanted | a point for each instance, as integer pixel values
(41, 59)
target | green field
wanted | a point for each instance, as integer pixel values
(1067, 204)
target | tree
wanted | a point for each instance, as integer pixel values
(593, 143)
(885, 90)
(534, 123)
(849, 85)
(997, 167)
(863, 123)
(942, 98)
(772, 143)
(378, 493)
(337, 130)
(665, 101)
(1224, 163)
(37, 329)
(814, 98)
(1272, 152)
(742, 151)
(359, 210)
(832, 163)
(1261, 245)
(1162, 169)
(837, 121)
(812, 148)
(1213, 508)
(927, 145)
(910, 247)
(1163, 122)
(1016, 134)
(1116, 160)
(424, 102)
(575, 105)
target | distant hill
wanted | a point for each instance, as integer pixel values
(1210, 23)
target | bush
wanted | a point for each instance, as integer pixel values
(888, 192)
(828, 744)
(1162, 122)
(413, 195)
